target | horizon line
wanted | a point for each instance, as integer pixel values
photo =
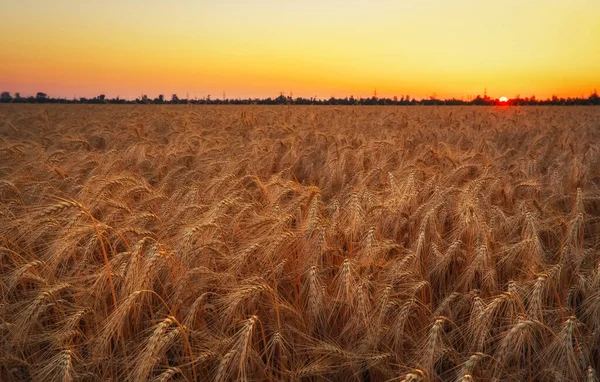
(41, 97)
(207, 97)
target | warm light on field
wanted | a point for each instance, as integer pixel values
(258, 243)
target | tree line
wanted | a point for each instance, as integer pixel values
(40, 97)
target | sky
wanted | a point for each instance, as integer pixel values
(458, 48)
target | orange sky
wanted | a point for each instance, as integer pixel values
(325, 48)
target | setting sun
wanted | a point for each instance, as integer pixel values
(503, 99)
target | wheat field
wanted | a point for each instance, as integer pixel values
(215, 243)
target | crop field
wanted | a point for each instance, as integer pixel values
(218, 243)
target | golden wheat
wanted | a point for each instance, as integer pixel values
(299, 243)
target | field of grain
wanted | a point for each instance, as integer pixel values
(299, 243)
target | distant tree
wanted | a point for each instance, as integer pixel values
(281, 99)
(41, 97)
(480, 101)
(5, 97)
(98, 99)
(160, 99)
(174, 98)
(594, 99)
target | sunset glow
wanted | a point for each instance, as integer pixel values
(311, 48)
(503, 99)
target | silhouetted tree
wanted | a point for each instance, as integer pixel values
(594, 98)
(281, 100)
(5, 97)
(481, 101)
(41, 97)
(174, 98)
